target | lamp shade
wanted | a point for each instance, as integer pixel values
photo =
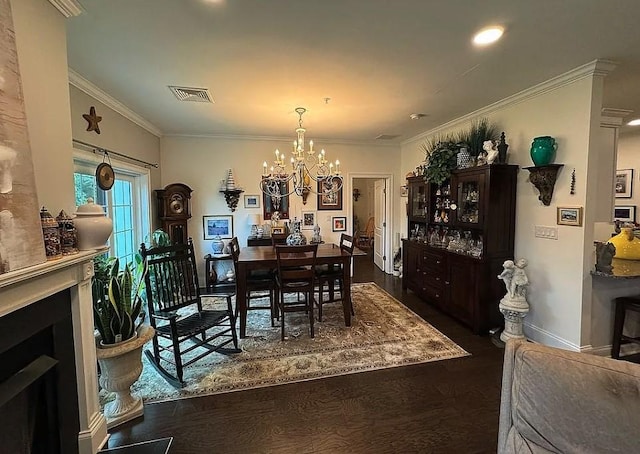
(253, 219)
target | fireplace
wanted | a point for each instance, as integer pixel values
(38, 414)
(48, 378)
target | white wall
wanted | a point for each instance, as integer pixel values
(558, 269)
(42, 56)
(202, 162)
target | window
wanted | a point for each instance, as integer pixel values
(127, 203)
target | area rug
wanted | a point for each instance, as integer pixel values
(384, 333)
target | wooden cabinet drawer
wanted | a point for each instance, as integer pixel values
(433, 260)
(435, 294)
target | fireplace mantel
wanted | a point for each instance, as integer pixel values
(26, 286)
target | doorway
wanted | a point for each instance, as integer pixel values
(370, 215)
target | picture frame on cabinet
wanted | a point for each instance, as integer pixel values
(624, 213)
(217, 225)
(570, 216)
(624, 183)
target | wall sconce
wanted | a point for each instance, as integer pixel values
(356, 194)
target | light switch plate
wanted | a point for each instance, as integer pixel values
(546, 232)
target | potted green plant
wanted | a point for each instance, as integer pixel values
(475, 136)
(440, 159)
(117, 307)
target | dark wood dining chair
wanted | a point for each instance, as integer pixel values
(175, 311)
(260, 284)
(333, 277)
(296, 273)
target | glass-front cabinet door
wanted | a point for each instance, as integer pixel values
(469, 197)
(418, 203)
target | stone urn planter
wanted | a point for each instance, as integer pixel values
(120, 367)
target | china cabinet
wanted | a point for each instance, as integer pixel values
(459, 234)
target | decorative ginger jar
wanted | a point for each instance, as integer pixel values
(93, 226)
(296, 238)
(627, 245)
(51, 234)
(543, 150)
(217, 245)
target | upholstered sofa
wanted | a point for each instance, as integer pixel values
(556, 401)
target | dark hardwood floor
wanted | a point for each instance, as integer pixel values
(447, 406)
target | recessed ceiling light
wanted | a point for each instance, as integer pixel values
(488, 35)
(635, 122)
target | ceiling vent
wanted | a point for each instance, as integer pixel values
(387, 136)
(191, 94)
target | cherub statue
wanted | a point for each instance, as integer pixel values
(519, 281)
(492, 153)
(507, 275)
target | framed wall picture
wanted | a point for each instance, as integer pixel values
(217, 226)
(252, 201)
(328, 199)
(279, 204)
(570, 216)
(339, 224)
(624, 213)
(624, 183)
(308, 220)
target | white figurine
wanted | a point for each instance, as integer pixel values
(492, 152)
(514, 305)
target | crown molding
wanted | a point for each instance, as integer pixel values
(593, 68)
(89, 88)
(68, 8)
(317, 141)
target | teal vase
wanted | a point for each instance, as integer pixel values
(543, 150)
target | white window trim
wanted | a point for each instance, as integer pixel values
(143, 180)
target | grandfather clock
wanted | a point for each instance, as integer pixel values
(174, 209)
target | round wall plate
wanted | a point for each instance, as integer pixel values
(105, 177)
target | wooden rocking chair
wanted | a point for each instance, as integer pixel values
(172, 286)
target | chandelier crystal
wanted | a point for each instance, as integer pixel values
(309, 172)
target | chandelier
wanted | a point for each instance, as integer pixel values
(308, 172)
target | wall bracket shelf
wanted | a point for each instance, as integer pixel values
(232, 196)
(544, 179)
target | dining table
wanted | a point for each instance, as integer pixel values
(264, 258)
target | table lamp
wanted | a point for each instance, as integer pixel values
(254, 221)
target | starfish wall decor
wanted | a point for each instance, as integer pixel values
(92, 120)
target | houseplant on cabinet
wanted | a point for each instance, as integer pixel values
(117, 308)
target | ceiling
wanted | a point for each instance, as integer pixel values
(360, 67)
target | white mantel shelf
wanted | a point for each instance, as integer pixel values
(23, 287)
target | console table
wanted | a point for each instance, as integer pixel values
(255, 241)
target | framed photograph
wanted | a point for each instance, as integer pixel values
(624, 183)
(277, 230)
(270, 204)
(625, 213)
(570, 216)
(252, 201)
(308, 220)
(328, 199)
(339, 223)
(404, 191)
(217, 225)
